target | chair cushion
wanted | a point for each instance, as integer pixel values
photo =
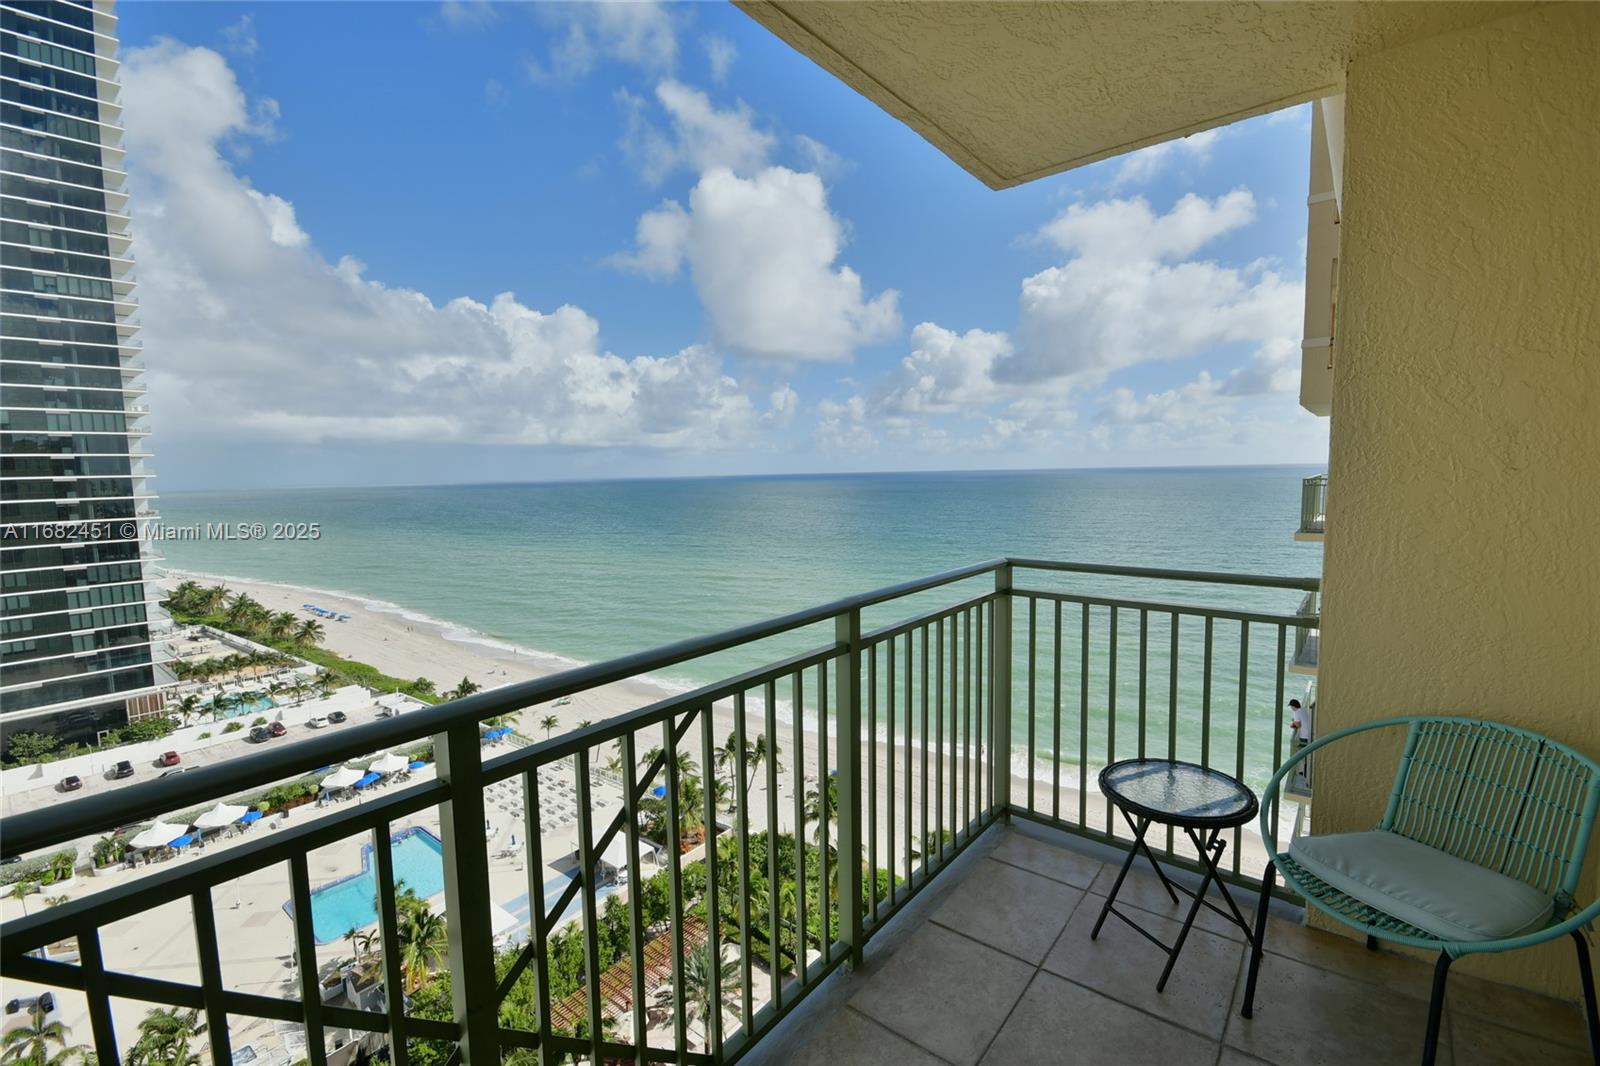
(1449, 897)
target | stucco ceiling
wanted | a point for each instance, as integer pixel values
(1016, 91)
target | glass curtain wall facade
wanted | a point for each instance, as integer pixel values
(76, 649)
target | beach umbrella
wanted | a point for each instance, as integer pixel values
(159, 835)
(343, 777)
(388, 764)
(219, 816)
(367, 779)
(417, 765)
(187, 838)
(250, 816)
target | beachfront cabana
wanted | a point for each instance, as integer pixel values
(343, 777)
(219, 817)
(388, 763)
(159, 835)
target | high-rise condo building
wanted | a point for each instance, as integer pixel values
(76, 624)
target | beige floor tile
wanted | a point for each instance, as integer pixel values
(1011, 909)
(1340, 954)
(1141, 889)
(945, 992)
(1125, 966)
(1310, 1017)
(1060, 1022)
(850, 1038)
(1060, 864)
(1483, 1043)
(1515, 1008)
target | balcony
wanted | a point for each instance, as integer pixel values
(1313, 508)
(1307, 636)
(901, 728)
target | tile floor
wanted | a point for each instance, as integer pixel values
(998, 967)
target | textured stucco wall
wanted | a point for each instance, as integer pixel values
(1462, 560)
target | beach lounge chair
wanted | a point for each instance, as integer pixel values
(1479, 850)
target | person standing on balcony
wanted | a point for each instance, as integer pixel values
(1300, 722)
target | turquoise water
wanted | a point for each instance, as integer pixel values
(351, 903)
(592, 570)
(258, 705)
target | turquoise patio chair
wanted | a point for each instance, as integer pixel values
(1480, 850)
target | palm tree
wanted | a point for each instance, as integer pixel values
(164, 1039)
(729, 756)
(761, 752)
(699, 967)
(281, 625)
(210, 600)
(189, 706)
(309, 632)
(30, 1044)
(820, 806)
(20, 891)
(466, 688)
(423, 937)
(547, 723)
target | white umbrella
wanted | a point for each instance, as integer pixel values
(343, 777)
(389, 763)
(158, 835)
(219, 816)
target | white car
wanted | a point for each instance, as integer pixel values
(318, 722)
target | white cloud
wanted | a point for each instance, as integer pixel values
(253, 334)
(1127, 294)
(698, 136)
(818, 157)
(720, 56)
(641, 33)
(468, 14)
(762, 252)
(1140, 166)
(946, 371)
(240, 38)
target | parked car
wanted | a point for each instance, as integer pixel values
(318, 722)
(260, 733)
(71, 783)
(338, 717)
(176, 770)
(121, 770)
(169, 758)
(278, 729)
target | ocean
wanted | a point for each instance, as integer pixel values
(586, 571)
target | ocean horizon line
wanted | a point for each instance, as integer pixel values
(817, 475)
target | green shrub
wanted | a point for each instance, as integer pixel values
(46, 869)
(259, 720)
(32, 748)
(233, 726)
(204, 736)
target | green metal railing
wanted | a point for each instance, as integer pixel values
(886, 752)
(1314, 504)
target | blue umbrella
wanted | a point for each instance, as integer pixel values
(250, 816)
(659, 790)
(417, 765)
(187, 838)
(367, 779)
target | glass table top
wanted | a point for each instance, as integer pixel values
(1178, 792)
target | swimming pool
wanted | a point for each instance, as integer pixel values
(250, 703)
(351, 903)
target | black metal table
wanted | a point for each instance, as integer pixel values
(1200, 801)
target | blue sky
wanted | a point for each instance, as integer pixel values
(403, 243)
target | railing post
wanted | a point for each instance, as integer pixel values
(847, 708)
(459, 757)
(1000, 696)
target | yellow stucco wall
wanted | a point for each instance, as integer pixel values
(1462, 561)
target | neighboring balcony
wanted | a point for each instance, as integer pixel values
(1307, 636)
(577, 913)
(1313, 508)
